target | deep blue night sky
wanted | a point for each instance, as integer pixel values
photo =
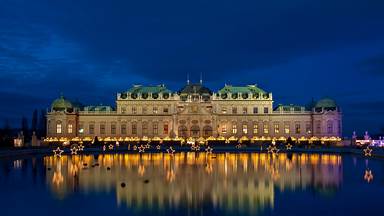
(297, 49)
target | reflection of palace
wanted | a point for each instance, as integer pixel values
(194, 111)
(229, 181)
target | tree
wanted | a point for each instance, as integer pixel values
(6, 134)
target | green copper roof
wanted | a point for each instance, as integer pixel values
(241, 89)
(326, 103)
(61, 104)
(139, 89)
(195, 89)
(290, 107)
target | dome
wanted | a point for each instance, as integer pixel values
(61, 104)
(326, 103)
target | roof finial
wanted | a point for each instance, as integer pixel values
(187, 78)
(201, 78)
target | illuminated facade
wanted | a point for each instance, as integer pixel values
(194, 111)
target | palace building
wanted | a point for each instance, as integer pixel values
(194, 111)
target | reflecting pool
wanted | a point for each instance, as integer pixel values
(192, 184)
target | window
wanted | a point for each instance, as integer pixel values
(102, 128)
(266, 127)
(297, 128)
(144, 110)
(276, 128)
(234, 110)
(134, 110)
(58, 127)
(70, 128)
(145, 128)
(234, 128)
(123, 129)
(165, 110)
(318, 126)
(255, 128)
(245, 128)
(155, 110)
(287, 128)
(113, 129)
(265, 110)
(224, 129)
(329, 127)
(255, 110)
(245, 110)
(91, 129)
(165, 128)
(224, 110)
(155, 128)
(308, 128)
(123, 110)
(134, 128)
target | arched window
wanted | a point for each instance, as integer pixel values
(330, 126)
(58, 127)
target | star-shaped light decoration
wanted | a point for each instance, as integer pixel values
(208, 150)
(80, 147)
(195, 147)
(134, 147)
(288, 146)
(170, 150)
(367, 152)
(158, 147)
(74, 150)
(273, 150)
(58, 152)
(141, 149)
(368, 176)
(238, 146)
(148, 146)
(110, 147)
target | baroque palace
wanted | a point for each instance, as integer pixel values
(194, 111)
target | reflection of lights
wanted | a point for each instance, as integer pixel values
(368, 176)
(171, 175)
(17, 164)
(57, 178)
(288, 146)
(273, 150)
(141, 170)
(367, 152)
(208, 168)
(170, 150)
(74, 150)
(208, 150)
(141, 149)
(58, 152)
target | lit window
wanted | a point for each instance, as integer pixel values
(255, 128)
(70, 128)
(245, 129)
(276, 128)
(234, 129)
(266, 127)
(297, 128)
(245, 110)
(224, 129)
(286, 128)
(91, 129)
(58, 128)
(224, 110)
(255, 110)
(155, 110)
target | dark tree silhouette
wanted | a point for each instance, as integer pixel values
(6, 134)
